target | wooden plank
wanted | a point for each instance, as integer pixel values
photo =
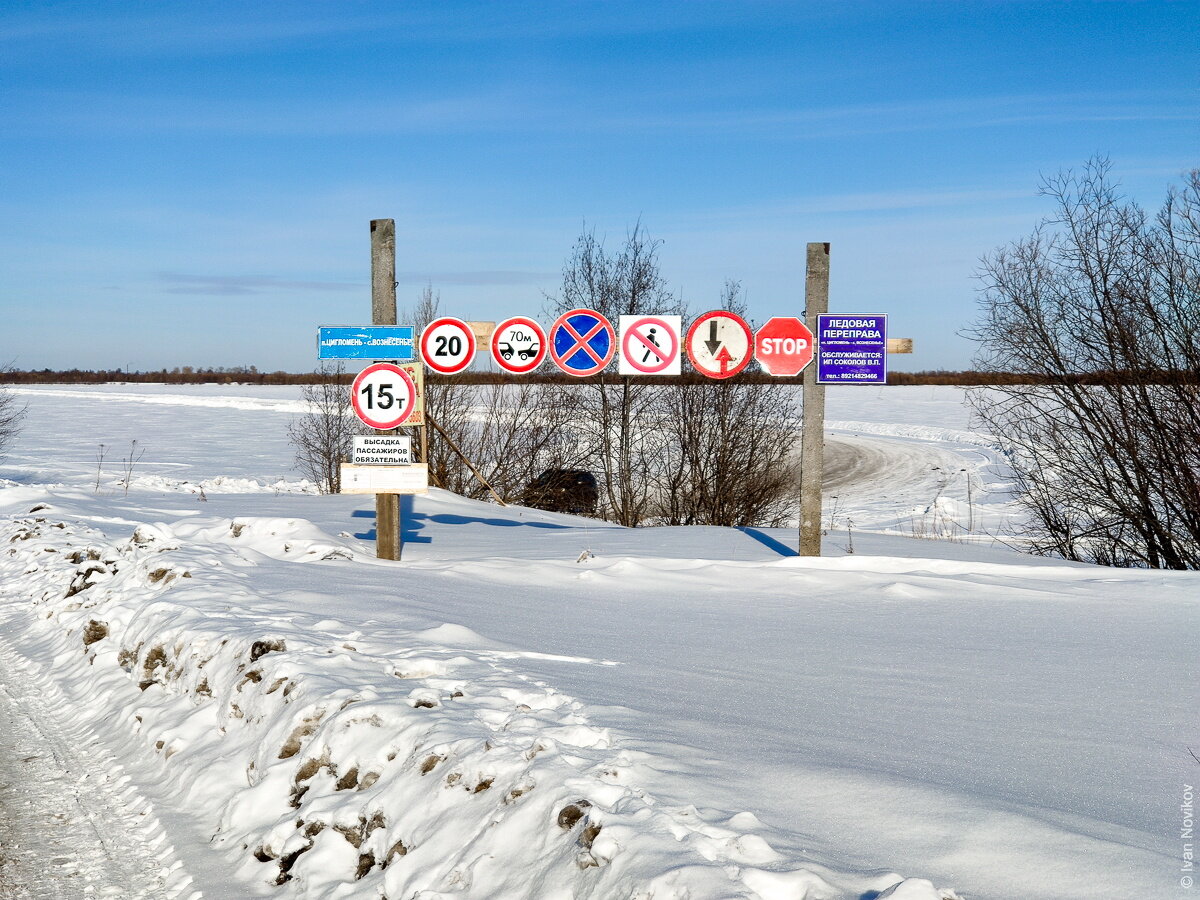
(899, 345)
(416, 371)
(483, 334)
(385, 480)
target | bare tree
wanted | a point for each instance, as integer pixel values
(510, 433)
(447, 402)
(129, 461)
(12, 414)
(522, 431)
(1100, 310)
(323, 436)
(731, 455)
(617, 420)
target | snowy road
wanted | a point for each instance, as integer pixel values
(946, 709)
(859, 466)
(69, 825)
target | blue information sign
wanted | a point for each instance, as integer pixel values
(366, 342)
(851, 349)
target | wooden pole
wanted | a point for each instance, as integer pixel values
(388, 540)
(470, 465)
(812, 438)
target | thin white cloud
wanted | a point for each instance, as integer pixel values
(238, 285)
(45, 111)
(210, 30)
(230, 285)
(544, 109)
(947, 113)
(484, 277)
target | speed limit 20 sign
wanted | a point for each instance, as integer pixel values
(384, 396)
(447, 345)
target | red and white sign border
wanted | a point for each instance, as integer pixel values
(740, 322)
(542, 345)
(631, 332)
(468, 335)
(581, 341)
(409, 385)
(765, 360)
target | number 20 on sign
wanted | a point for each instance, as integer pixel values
(383, 396)
(447, 345)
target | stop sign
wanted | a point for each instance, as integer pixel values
(784, 346)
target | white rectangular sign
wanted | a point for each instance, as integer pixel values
(412, 479)
(650, 345)
(381, 450)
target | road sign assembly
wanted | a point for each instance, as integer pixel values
(366, 342)
(650, 345)
(383, 396)
(518, 345)
(851, 348)
(719, 344)
(412, 479)
(381, 450)
(448, 345)
(784, 346)
(582, 342)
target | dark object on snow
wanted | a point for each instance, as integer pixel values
(562, 490)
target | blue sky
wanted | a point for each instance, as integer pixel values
(192, 183)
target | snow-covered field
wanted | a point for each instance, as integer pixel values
(240, 700)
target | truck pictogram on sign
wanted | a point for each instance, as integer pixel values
(518, 345)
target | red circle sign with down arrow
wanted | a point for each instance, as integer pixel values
(720, 344)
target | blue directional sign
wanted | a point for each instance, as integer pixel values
(851, 349)
(366, 342)
(582, 342)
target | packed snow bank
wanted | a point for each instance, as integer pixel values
(333, 764)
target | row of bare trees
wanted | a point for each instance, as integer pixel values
(1100, 307)
(12, 413)
(714, 453)
(711, 453)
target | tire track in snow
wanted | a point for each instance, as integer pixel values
(71, 825)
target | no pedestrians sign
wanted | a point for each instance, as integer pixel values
(650, 345)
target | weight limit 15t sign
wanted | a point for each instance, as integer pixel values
(383, 396)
